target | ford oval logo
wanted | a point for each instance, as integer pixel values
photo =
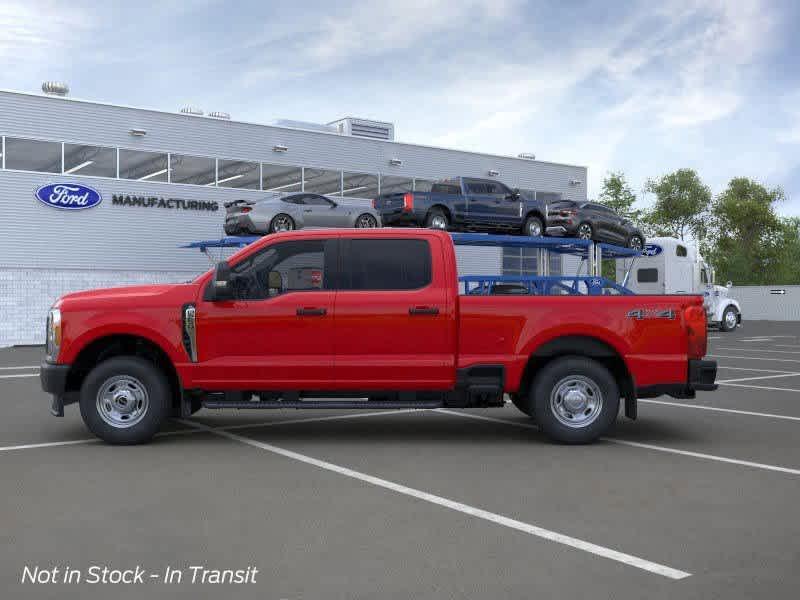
(652, 250)
(69, 196)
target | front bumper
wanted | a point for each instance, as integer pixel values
(701, 375)
(54, 381)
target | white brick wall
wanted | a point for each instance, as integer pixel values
(27, 294)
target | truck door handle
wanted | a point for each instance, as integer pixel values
(309, 311)
(307, 210)
(423, 310)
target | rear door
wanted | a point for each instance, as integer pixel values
(479, 202)
(395, 327)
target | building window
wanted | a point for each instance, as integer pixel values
(90, 160)
(396, 185)
(323, 181)
(280, 178)
(238, 174)
(360, 185)
(144, 166)
(195, 170)
(524, 262)
(33, 155)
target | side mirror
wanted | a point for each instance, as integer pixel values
(333, 204)
(514, 195)
(729, 285)
(221, 287)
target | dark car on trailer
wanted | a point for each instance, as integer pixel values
(466, 204)
(592, 221)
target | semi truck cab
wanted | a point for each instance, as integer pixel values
(671, 266)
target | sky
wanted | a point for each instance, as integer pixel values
(639, 87)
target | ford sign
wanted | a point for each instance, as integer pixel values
(69, 196)
(652, 250)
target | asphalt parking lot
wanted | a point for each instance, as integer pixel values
(696, 499)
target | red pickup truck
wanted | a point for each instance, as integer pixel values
(363, 318)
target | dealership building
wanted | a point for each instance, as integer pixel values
(161, 179)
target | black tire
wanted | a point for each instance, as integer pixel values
(585, 227)
(366, 221)
(534, 227)
(278, 219)
(723, 324)
(557, 375)
(121, 369)
(636, 242)
(436, 216)
(522, 402)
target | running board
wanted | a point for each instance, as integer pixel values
(322, 404)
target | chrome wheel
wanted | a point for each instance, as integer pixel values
(366, 221)
(576, 401)
(122, 401)
(730, 319)
(585, 231)
(534, 228)
(438, 222)
(282, 223)
(635, 243)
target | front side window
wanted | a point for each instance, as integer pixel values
(281, 269)
(476, 188)
(647, 275)
(33, 155)
(388, 265)
(703, 276)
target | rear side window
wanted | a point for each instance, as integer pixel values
(647, 275)
(446, 188)
(387, 265)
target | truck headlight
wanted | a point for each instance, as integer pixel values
(53, 343)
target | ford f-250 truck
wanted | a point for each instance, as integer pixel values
(326, 318)
(466, 203)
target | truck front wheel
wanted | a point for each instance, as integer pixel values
(574, 399)
(124, 400)
(730, 319)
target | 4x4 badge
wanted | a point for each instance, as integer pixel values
(651, 313)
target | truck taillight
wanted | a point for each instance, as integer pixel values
(408, 202)
(374, 203)
(694, 318)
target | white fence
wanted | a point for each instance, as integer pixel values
(768, 302)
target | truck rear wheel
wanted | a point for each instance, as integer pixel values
(437, 219)
(124, 400)
(575, 399)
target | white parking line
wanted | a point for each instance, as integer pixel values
(748, 413)
(385, 412)
(19, 368)
(713, 457)
(535, 530)
(756, 370)
(761, 377)
(17, 376)
(760, 387)
(791, 360)
(763, 350)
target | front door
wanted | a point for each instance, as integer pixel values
(395, 323)
(504, 207)
(278, 331)
(319, 211)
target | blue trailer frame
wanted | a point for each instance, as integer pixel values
(544, 284)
